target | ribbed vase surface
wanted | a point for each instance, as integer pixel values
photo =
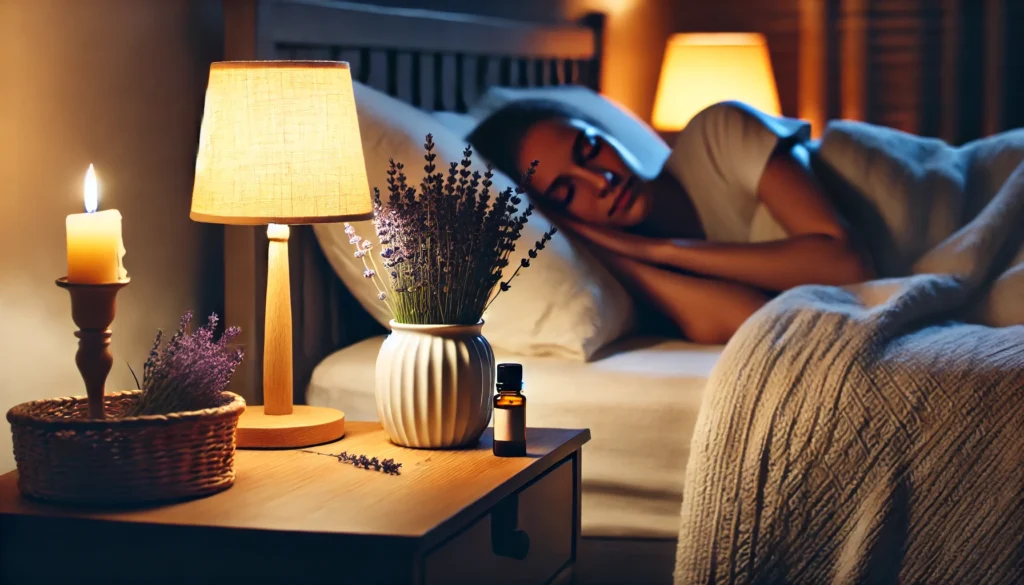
(434, 385)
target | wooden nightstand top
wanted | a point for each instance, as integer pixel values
(435, 495)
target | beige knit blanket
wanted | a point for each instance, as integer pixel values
(873, 434)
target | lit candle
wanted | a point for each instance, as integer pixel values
(95, 249)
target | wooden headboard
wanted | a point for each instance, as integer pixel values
(438, 61)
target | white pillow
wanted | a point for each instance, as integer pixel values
(460, 124)
(566, 304)
(636, 136)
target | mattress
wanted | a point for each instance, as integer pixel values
(640, 402)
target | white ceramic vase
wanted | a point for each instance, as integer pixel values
(434, 385)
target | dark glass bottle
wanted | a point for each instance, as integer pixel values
(510, 412)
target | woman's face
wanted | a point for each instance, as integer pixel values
(585, 173)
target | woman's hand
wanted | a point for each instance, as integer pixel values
(705, 310)
(642, 248)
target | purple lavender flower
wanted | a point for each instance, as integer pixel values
(446, 247)
(388, 466)
(190, 371)
(369, 273)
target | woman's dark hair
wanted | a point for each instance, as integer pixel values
(499, 137)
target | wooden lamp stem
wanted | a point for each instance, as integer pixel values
(279, 424)
(93, 307)
(277, 342)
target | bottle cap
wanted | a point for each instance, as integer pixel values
(510, 376)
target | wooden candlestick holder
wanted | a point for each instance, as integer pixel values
(92, 308)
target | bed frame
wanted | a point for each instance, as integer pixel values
(434, 60)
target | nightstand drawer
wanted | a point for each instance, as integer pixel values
(527, 538)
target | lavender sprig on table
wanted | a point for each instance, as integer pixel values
(387, 466)
(190, 371)
(444, 252)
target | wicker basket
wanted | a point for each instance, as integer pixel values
(63, 456)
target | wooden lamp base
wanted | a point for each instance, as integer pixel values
(305, 426)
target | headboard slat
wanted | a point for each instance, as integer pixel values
(460, 85)
(483, 63)
(392, 72)
(554, 73)
(438, 82)
(505, 71)
(523, 79)
(417, 81)
(364, 65)
(582, 72)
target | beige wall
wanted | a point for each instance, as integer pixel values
(117, 83)
(634, 46)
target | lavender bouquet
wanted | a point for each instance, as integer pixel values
(444, 253)
(190, 372)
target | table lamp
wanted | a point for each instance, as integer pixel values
(701, 69)
(280, 145)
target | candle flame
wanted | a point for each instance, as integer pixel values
(91, 191)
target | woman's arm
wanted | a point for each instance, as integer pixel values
(707, 311)
(818, 251)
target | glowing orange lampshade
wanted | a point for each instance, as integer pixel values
(701, 69)
(280, 144)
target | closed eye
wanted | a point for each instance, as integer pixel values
(585, 147)
(561, 192)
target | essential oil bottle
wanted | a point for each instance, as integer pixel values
(510, 412)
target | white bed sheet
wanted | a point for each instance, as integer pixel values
(640, 403)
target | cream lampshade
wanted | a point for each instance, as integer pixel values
(280, 145)
(701, 69)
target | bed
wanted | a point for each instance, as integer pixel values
(640, 397)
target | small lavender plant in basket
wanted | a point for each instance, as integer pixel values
(171, 440)
(191, 372)
(444, 257)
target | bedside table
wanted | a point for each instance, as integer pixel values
(461, 516)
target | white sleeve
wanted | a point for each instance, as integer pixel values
(739, 140)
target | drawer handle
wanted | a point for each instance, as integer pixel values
(506, 538)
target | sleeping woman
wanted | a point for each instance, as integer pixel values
(734, 217)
